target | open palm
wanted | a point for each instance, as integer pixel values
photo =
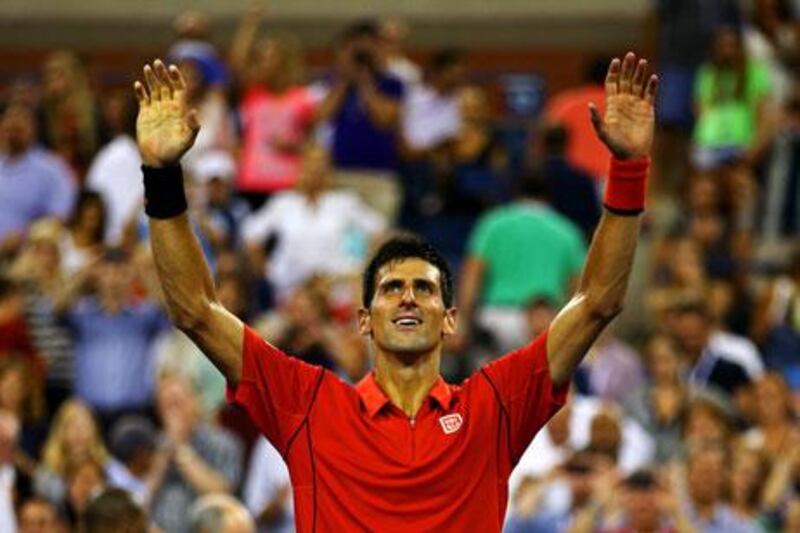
(627, 128)
(165, 127)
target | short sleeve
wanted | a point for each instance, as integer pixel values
(760, 81)
(276, 390)
(703, 86)
(479, 240)
(528, 395)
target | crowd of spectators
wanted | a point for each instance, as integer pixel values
(683, 417)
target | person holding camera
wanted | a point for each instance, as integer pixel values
(363, 108)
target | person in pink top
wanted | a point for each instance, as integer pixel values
(276, 110)
(569, 109)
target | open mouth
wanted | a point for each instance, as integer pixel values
(407, 322)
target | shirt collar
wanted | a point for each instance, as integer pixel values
(375, 399)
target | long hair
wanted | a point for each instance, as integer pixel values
(292, 63)
(55, 455)
(33, 397)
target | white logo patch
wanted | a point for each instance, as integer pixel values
(451, 423)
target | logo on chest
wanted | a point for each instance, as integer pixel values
(451, 423)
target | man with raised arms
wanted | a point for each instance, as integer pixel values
(403, 449)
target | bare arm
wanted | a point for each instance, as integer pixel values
(165, 129)
(243, 41)
(628, 132)
(383, 111)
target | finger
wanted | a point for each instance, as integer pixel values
(141, 93)
(176, 80)
(628, 65)
(612, 77)
(164, 87)
(639, 77)
(597, 120)
(152, 84)
(651, 90)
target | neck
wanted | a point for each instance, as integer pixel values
(705, 510)
(407, 385)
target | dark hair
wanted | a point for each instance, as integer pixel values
(358, 29)
(406, 246)
(86, 197)
(641, 480)
(532, 183)
(555, 138)
(111, 510)
(444, 59)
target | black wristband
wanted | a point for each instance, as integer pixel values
(164, 196)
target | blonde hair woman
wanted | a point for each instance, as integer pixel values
(74, 439)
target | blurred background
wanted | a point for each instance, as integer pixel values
(325, 128)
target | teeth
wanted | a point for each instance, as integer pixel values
(408, 322)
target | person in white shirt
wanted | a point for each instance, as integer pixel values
(267, 491)
(115, 172)
(432, 114)
(318, 230)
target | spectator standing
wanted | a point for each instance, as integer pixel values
(70, 114)
(115, 172)
(583, 150)
(363, 108)
(732, 92)
(505, 245)
(35, 183)
(276, 110)
(573, 192)
(318, 230)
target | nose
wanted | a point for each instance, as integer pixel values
(408, 296)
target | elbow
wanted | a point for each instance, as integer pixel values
(189, 317)
(605, 309)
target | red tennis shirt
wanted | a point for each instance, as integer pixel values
(358, 463)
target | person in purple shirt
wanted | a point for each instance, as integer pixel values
(363, 107)
(34, 182)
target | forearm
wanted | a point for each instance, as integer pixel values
(332, 102)
(243, 43)
(384, 112)
(182, 270)
(199, 474)
(608, 265)
(469, 290)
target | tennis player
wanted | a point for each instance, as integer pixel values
(402, 450)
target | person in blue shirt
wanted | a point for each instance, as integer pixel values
(113, 335)
(363, 108)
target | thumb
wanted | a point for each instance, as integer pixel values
(193, 121)
(597, 121)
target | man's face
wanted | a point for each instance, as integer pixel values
(407, 315)
(37, 517)
(706, 481)
(691, 329)
(17, 129)
(642, 509)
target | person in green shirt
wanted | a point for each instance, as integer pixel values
(506, 245)
(732, 102)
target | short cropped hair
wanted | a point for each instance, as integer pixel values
(114, 511)
(407, 246)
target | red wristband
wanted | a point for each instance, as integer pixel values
(626, 187)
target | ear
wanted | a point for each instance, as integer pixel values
(364, 322)
(450, 321)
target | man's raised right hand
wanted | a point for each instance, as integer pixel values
(165, 127)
